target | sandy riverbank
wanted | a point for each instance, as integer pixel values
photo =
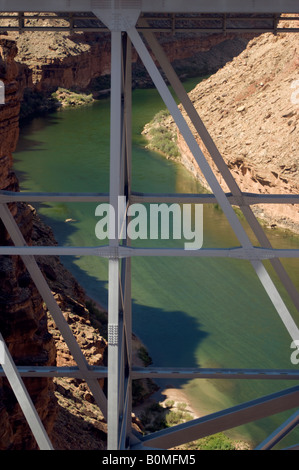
(169, 398)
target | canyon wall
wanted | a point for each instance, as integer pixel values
(25, 322)
(250, 109)
(57, 59)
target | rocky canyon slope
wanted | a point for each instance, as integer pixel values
(251, 109)
(81, 61)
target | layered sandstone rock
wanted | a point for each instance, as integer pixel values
(23, 322)
(250, 109)
(74, 61)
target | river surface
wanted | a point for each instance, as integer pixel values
(188, 312)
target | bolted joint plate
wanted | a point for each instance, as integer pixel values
(117, 15)
(112, 334)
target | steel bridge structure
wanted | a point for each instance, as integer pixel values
(134, 23)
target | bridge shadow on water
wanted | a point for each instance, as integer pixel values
(171, 337)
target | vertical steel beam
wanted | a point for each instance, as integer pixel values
(217, 158)
(23, 398)
(114, 272)
(213, 182)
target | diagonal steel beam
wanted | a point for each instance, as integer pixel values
(126, 436)
(218, 159)
(44, 290)
(235, 223)
(13, 376)
(127, 269)
(226, 419)
(280, 433)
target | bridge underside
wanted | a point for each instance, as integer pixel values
(131, 24)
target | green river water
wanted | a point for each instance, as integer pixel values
(188, 312)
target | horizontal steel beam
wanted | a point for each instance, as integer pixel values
(223, 420)
(125, 252)
(170, 17)
(11, 196)
(226, 16)
(245, 199)
(99, 29)
(198, 29)
(155, 6)
(95, 372)
(202, 373)
(100, 372)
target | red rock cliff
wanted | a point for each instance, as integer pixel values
(72, 61)
(23, 322)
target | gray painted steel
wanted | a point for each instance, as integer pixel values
(13, 376)
(157, 6)
(280, 433)
(223, 420)
(100, 372)
(244, 199)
